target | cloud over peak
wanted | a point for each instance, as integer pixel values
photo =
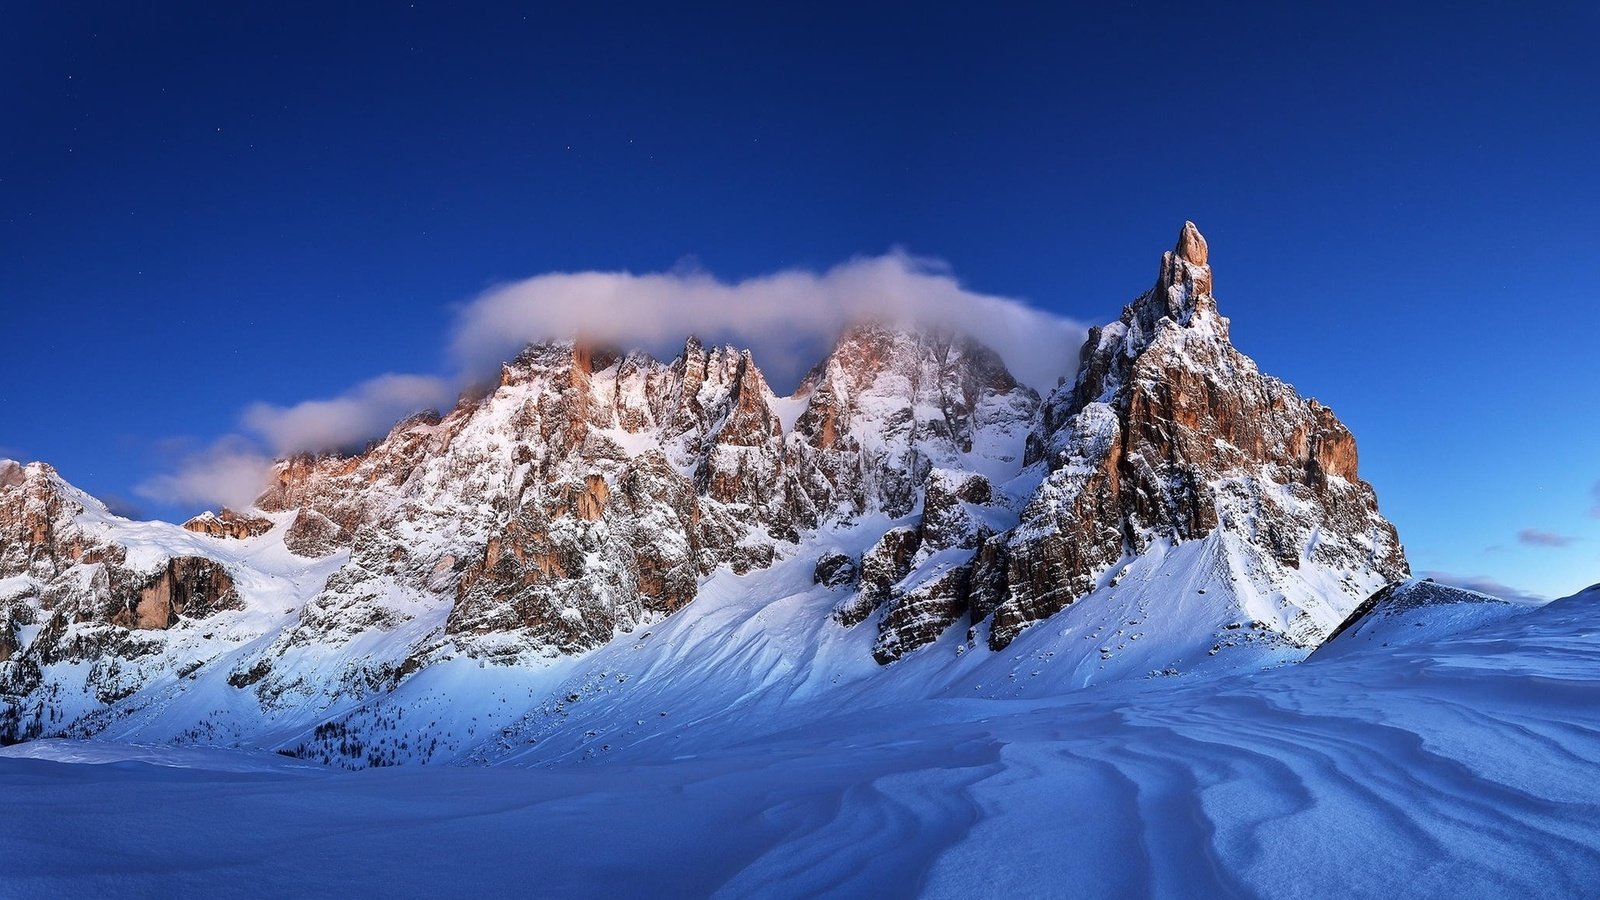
(230, 472)
(786, 318)
(348, 419)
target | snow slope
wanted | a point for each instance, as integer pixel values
(1460, 767)
(759, 649)
(1412, 612)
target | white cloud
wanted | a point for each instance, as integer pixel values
(786, 319)
(351, 418)
(234, 470)
(230, 472)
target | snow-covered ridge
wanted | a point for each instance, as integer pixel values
(602, 524)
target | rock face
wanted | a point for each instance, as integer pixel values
(56, 557)
(590, 493)
(835, 570)
(887, 407)
(71, 592)
(314, 535)
(1169, 433)
(229, 524)
(187, 585)
(39, 536)
(591, 490)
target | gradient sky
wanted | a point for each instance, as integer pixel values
(201, 208)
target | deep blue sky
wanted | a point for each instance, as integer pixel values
(203, 207)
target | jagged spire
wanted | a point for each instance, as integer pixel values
(1184, 285)
(1191, 244)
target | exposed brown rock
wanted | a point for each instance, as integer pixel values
(920, 615)
(1191, 245)
(1170, 432)
(591, 502)
(664, 533)
(38, 535)
(187, 586)
(229, 524)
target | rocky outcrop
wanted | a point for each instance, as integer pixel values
(921, 613)
(314, 535)
(39, 533)
(229, 524)
(187, 585)
(881, 568)
(835, 570)
(1169, 433)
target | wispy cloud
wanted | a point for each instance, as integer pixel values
(348, 419)
(1538, 537)
(1483, 584)
(231, 471)
(786, 318)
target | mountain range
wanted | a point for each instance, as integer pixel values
(601, 550)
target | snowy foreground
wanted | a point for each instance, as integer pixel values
(1461, 767)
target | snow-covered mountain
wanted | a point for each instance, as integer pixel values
(603, 549)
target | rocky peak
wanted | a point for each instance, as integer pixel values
(1191, 245)
(38, 511)
(1170, 433)
(888, 405)
(1184, 286)
(228, 524)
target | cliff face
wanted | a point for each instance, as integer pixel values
(59, 559)
(591, 493)
(1170, 433)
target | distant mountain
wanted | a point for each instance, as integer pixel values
(911, 522)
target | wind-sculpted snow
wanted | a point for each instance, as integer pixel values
(1459, 768)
